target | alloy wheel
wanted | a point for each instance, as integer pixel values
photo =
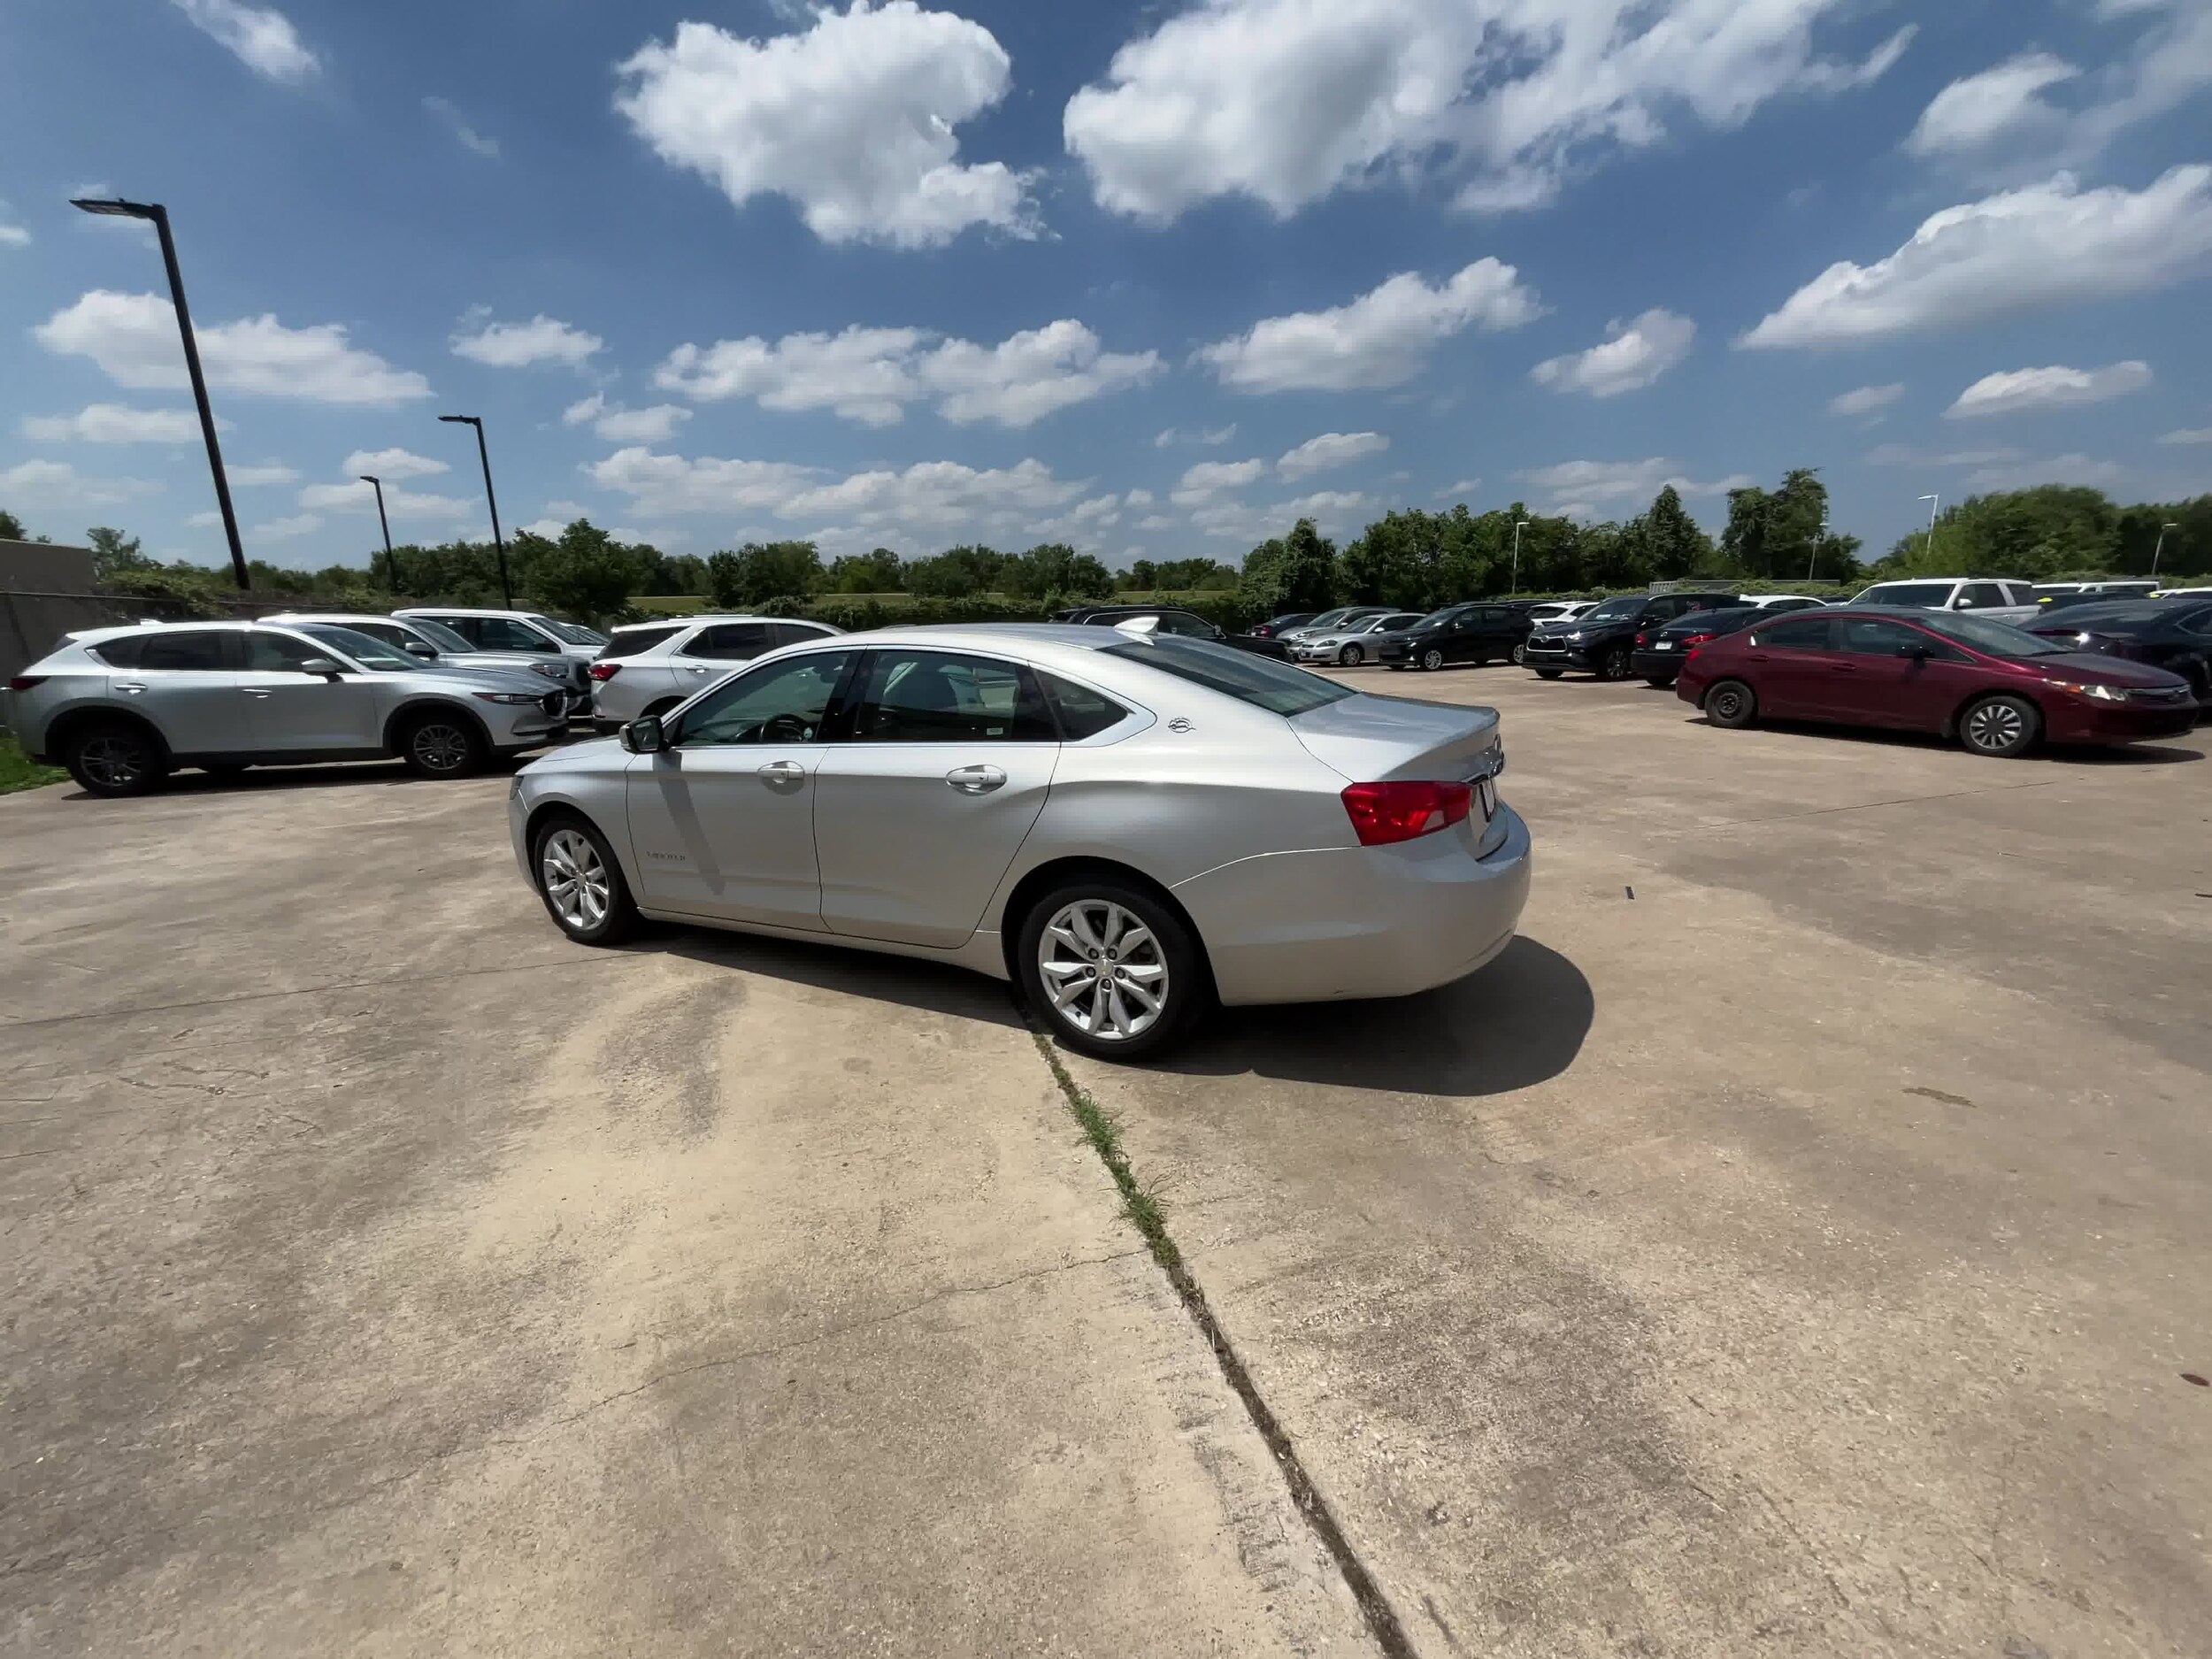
(114, 761)
(441, 745)
(575, 879)
(1995, 726)
(1103, 970)
(1431, 659)
(1351, 657)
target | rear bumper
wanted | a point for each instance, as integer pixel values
(1341, 924)
(1654, 665)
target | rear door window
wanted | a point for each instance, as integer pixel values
(630, 641)
(944, 697)
(268, 653)
(729, 642)
(207, 650)
(1796, 633)
(504, 634)
(1081, 711)
(1980, 597)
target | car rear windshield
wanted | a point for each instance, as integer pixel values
(575, 633)
(1723, 621)
(1915, 596)
(1991, 639)
(1263, 683)
(630, 641)
(2108, 618)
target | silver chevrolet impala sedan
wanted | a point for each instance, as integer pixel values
(1132, 825)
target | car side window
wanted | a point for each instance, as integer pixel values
(791, 633)
(1187, 623)
(279, 653)
(1978, 596)
(397, 637)
(1798, 633)
(504, 634)
(1871, 637)
(1081, 711)
(2195, 622)
(777, 703)
(727, 641)
(942, 697)
(121, 653)
(206, 651)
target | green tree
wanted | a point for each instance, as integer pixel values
(1292, 572)
(959, 572)
(1673, 545)
(586, 573)
(1053, 569)
(11, 527)
(759, 573)
(2028, 532)
(879, 572)
(113, 553)
(1144, 576)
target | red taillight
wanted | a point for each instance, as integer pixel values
(1643, 639)
(603, 671)
(1387, 812)
(24, 682)
(1701, 638)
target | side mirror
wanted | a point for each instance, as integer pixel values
(321, 666)
(644, 735)
(416, 648)
(1915, 653)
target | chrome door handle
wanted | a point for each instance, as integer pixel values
(695, 668)
(975, 779)
(133, 687)
(252, 692)
(782, 773)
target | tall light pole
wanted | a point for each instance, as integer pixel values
(1813, 559)
(1933, 502)
(1519, 526)
(2161, 548)
(391, 564)
(506, 589)
(158, 215)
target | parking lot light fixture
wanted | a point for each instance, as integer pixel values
(1933, 502)
(2161, 548)
(1518, 527)
(156, 215)
(506, 587)
(391, 564)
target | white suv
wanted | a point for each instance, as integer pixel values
(2000, 600)
(649, 667)
(530, 633)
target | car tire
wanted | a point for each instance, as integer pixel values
(1350, 656)
(1520, 654)
(576, 873)
(1052, 946)
(438, 744)
(1550, 674)
(1616, 664)
(1432, 658)
(114, 758)
(2002, 727)
(1730, 704)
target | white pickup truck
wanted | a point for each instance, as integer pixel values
(2000, 601)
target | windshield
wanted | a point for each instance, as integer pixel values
(1395, 621)
(574, 633)
(370, 653)
(1991, 639)
(1615, 610)
(441, 637)
(1258, 681)
(1912, 596)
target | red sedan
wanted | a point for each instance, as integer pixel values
(1998, 689)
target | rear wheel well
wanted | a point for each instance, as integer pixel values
(68, 723)
(1046, 877)
(405, 717)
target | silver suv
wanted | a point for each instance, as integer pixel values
(568, 646)
(437, 646)
(649, 667)
(121, 708)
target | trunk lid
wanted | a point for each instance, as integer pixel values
(1375, 740)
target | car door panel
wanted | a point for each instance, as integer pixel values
(304, 713)
(1881, 687)
(185, 682)
(1789, 668)
(921, 809)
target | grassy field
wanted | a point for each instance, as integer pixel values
(17, 772)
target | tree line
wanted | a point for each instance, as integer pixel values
(1411, 558)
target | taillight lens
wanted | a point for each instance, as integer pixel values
(1643, 639)
(1382, 813)
(605, 670)
(1701, 638)
(24, 682)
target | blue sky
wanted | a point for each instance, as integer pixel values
(1151, 279)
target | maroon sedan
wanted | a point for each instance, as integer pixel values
(1998, 689)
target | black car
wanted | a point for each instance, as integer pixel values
(1188, 624)
(1603, 641)
(1477, 633)
(1659, 651)
(1275, 627)
(2174, 635)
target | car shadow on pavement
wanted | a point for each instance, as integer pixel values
(2155, 753)
(1515, 1023)
(936, 987)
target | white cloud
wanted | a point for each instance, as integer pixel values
(2060, 469)
(2043, 245)
(115, 423)
(1333, 511)
(584, 409)
(471, 139)
(1905, 455)
(392, 465)
(1866, 400)
(262, 37)
(938, 495)
(2029, 391)
(13, 235)
(2188, 435)
(871, 374)
(1459, 491)
(254, 475)
(1330, 449)
(654, 425)
(399, 502)
(133, 337)
(58, 484)
(1288, 100)
(1383, 338)
(1999, 103)
(665, 486)
(284, 529)
(1156, 521)
(1211, 436)
(1136, 498)
(1634, 354)
(1210, 479)
(1581, 482)
(852, 119)
(518, 345)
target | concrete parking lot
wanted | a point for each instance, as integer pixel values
(1792, 1245)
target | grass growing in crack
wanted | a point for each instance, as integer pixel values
(1141, 1208)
